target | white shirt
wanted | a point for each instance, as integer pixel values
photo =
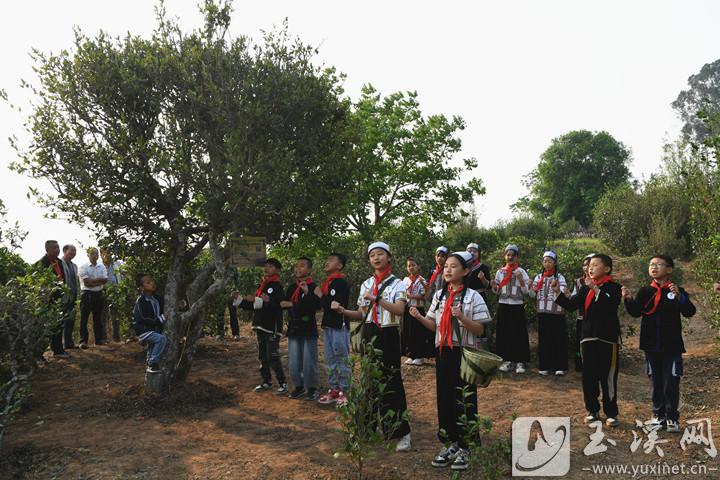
(392, 293)
(474, 308)
(512, 293)
(546, 296)
(90, 271)
(417, 289)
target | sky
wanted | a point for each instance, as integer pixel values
(519, 72)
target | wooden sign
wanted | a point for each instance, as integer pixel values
(247, 251)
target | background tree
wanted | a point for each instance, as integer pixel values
(702, 98)
(573, 173)
(164, 145)
(404, 169)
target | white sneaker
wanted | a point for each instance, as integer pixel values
(418, 361)
(560, 373)
(672, 426)
(403, 444)
(409, 361)
(655, 422)
(520, 368)
(544, 373)
(612, 422)
(592, 417)
(505, 367)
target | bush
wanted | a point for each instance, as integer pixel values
(618, 219)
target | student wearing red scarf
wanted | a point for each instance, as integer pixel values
(479, 276)
(381, 314)
(268, 324)
(454, 303)
(435, 276)
(301, 304)
(335, 291)
(418, 342)
(660, 305)
(579, 282)
(599, 299)
(52, 261)
(552, 329)
(512, 283)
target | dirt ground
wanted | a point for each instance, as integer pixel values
(87, 419)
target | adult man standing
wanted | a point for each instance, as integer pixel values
(52, 261)
(110, 320)
(93, 276)
(73, 284)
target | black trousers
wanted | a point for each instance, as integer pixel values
(578, 337)
(665, 371)
(451, 402)
(417, 341)
(600, 372)
(234, 325)
(552, 342)
(56, 337)
(393, 398)
(269, 356)
(92, 303)
(69, 324)
(512, 342)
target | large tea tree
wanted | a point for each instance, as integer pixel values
(163, 145)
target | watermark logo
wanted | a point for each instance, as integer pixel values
(541, 446)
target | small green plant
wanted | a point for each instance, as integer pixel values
(362, 422)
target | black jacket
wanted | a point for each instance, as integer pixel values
(301, 317)
(601, 319)
(472, 281)
(144, 318)
(338, 291)
(661, 331)
(269, 318)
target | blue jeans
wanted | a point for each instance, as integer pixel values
(156, 346)
(337, 350)
(303, 361)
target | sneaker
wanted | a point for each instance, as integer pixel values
(505, 367)
(592, 417)
(672, 426)
(341, 400)
(418, 361)
(330, 397)
(560, 373)
(461, 460)
(312, 394)
(612, 422)
(520, 368)
(409, 361)
(236, 337)
(84, 345)
(445, 457)
(61, 355)
(404, 444)
(263, 386)
(153, 368)
(282, 388)
(544, 373)
(298, 392)
(655, 422)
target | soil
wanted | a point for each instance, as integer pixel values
(88, 418)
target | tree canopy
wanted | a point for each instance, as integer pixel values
(699, 102)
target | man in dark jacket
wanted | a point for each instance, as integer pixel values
(660, 305)
(149, 320)
(268, 324)
(51, 260)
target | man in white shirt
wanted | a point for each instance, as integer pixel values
(93, 276)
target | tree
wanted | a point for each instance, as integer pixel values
(700, 101)
(164, 145)
(573, 173)
(404, 166)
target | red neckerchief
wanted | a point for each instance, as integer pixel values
(413, 280)
(296, 294)
(435, 274)
(658, 293)
(446, 319)
(542, 278)
(265, 281)
(56, 267)
(591, 293)
(377, 281)
(326, 284)
(508, 269)
(476, 262)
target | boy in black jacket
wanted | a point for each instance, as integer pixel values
(148, 320)
(599, 298)
(302, 331)
(268, 324)
(660, 304)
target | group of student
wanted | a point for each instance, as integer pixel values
(392, 314)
